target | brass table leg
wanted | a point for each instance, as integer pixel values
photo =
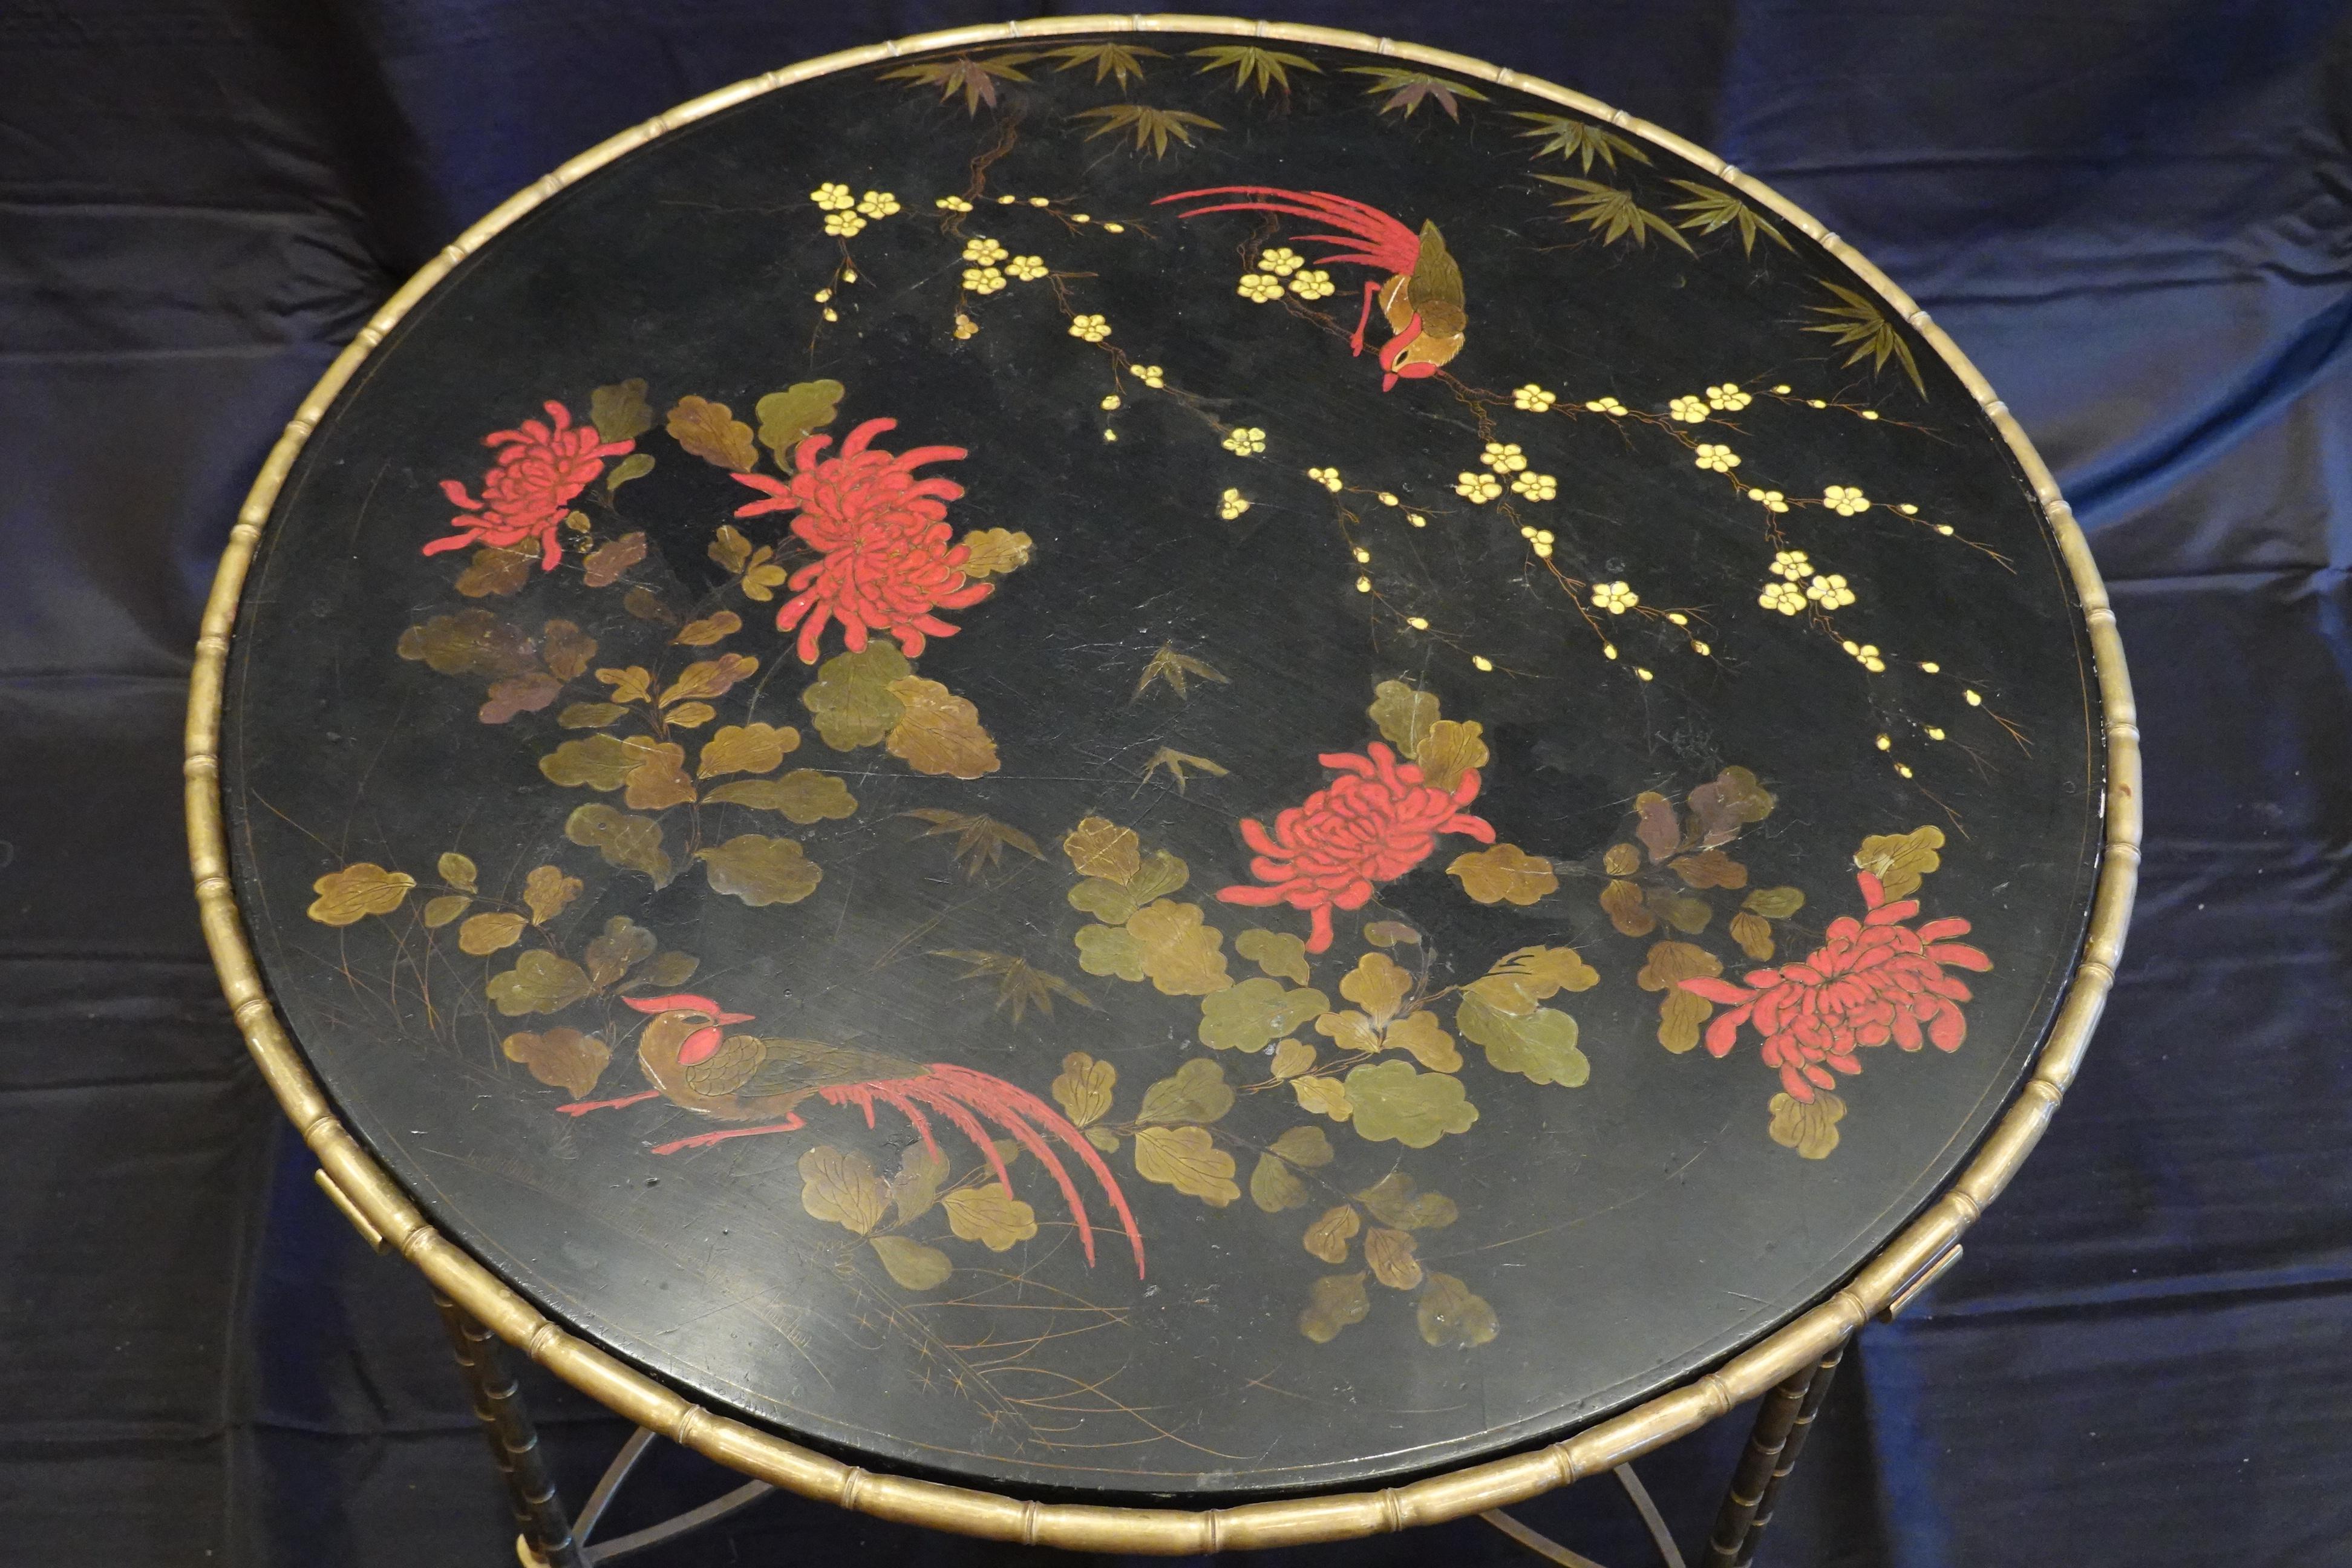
(1769, 1456)
(514, 1442)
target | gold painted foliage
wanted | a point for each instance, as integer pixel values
(975, 79)
(913, 1264)
(1860, 324)
(1408, 90)
(1612, 213)
(1500, 1012)
(1328, 1236)
(851, 699)
(1808, 1127)
(1712, 208)
(1405, 715)
(980, 841)
(1392, 1100)
(746, 749)
(712, 432)
(840, 1187)
(1166, 943)
(631, 843)
(1581, 140)
(548, 892)
(761, 870)
(561, 1058)
(1256, 1013)
(938, 732)
(1119, 63)
(1333, 1303)
(1151, 127)
(1901, 860)
(786, 417)
(804, 795)
(989, 1214)
(1084, 1088)
(1680, 1012)
(1265, 69)
(1503, 873)
(1175, 668)
(620, 411)
(1196, 1092)
(994, 552)
(710, 629)
(606, 565)
(1450, 1313)
(1019, 985)
(349, 896)
(1278, 954)
(1188, 1159)
(540, 981)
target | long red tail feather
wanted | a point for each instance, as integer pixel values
(963, 1096)
(1374, 237)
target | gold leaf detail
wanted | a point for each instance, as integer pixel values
(709, 629)
(709, 677)
(1083, 1087)
(1197, 1092)
(1451, 1314)
(1775, 903)
(1392, 1100)
(917, 1187)
(1680, 1012)
(622, 943)
(1323, 1097)
(495, 572)
(658, 781)
(1392, 1201)
(746, 749)
(636, 466)
(1731, 801)
(1333, 1302)
(1810, 1129)
(1899, 861)
(1278, 954)
(1187, 1158)
(839, 1185)
(804, 795)
(1390, 1254)
(1304, 1146)
(787, 417)
(485, 934)
(1292, 1057)
(1754, 934)
(1430, 1045)
(633, 843)
(712, 432)
(989, 1216)
(458, 871)
(440, 911)
(539, 982)
(599, 761)
(1451, 750)
(591, 715)
(606, 564)
(1710, 868)
(357, 890)
(760, 870)
(561, 1058)
(1621, 860)
(1175, 668)
(1405, 715)
(1541, 1044)
(1100, 847)
(1503, 873)
(994, 552)
(635, 684)
(1274, 1186)
(851, 699)
(913, 1264)
(1389, 933)
(938, 732)
(1627, 909)
(620, 411)
(1256, 1013)
(1328, 1236)
(689, 715)
(1377, 984)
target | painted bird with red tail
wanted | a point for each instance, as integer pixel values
(1420, 295)
(692, 1062)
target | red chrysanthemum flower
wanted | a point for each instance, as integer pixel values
(528, 488)
(1378, 820)
(888, 560)
(1875, 980)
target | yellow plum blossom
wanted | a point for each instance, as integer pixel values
(1533, 399)
(1246, 440)
(1476, 488)
(1721, 459)
(1535, 486)
(832, 197)
(1089, 329)
(1614, 597)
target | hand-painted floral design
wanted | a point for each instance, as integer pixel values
(1608, 405)
(1378, 820)
(1504, 457)
(1727, 398)
(887, 557)
(1771, 501)
(1258, 288)
(1714, 456)
(1475, 487)
(1614, 597)
(1845, 499)
(1534, 398)
(541, 465)
(1875, 980)
(1690, 410)
(1829, 590)
(1532, 486)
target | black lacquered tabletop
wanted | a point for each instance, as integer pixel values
(1163, 766)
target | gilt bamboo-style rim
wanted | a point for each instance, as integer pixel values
(386, 1208)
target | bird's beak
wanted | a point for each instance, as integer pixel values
(737, 1018)
(1387, 382)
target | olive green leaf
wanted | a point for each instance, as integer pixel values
(1408, 90)
(620, 411)
(1196, 1092)
(712, 433)
(622, 943)
(981, 839)
(787, 417)
(561, 1058)
(990, 1214)
(1187, 1158)
(1711, 209)
(1451, 1314)
(709, 630)
(1539, 1046)
(1579, 139)
(1120, 63)
(540, 981)
(1276, 953)
(1333, 1302)
(1776, 903)
(485, 934)
(1405, 715)
(804, 795)
(994, 552)
(1858, 322)
(1175, 668)
(1019, 985)
(1900, 861)
(606, 563)
(1328, 1236)
(1254, 1014)
(1680, 1012)
(1393, 1100)
(840, 1187)
(760, 870)
(1809, 1127)
(913, 1264)
(636, 466)
(1503, 873)
(851, 699)
(1084, 1088)
(1612, 213)
(1392, 1201)
(357, 890)
(1390, 1254)
(975, 79)
(631, 843)
(938, 732)
(1150, 127)
(1265, 69)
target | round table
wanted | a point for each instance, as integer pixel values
(1159, 783)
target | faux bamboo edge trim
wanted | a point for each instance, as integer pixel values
(386, 1208)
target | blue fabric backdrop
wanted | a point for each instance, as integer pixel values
(2133, 214)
